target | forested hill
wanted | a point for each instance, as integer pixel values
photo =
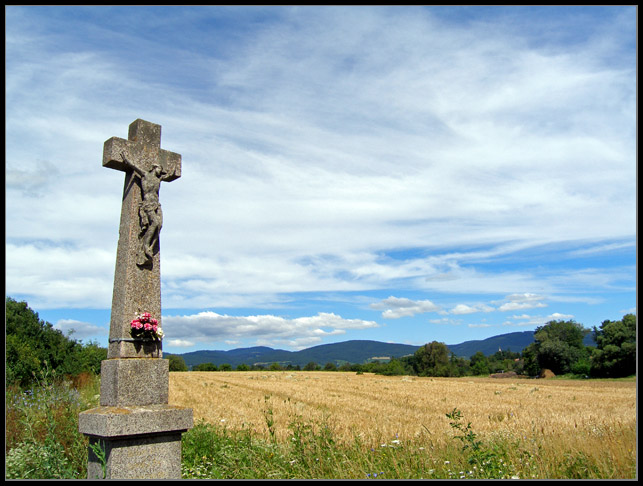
(358, 351)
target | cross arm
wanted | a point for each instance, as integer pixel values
(112, 158)
(112, 150)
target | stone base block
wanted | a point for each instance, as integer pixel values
(136, 442)
(134, 382)
(125, 421)
(151, 457)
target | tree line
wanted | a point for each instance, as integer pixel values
(558, 346)
(33, 345)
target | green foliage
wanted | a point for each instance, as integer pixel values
(615, 353)
(479, 364)
(311, 450)
(569, 332)
(91, 355)
(32, 342)
(486, 460)
(41, 428)
(432, 359)
(98, 448)
(558, 346)
(205, 367)
(37, 461)
(395, 367)
(177, 363)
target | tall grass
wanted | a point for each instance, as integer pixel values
(41, 427)
(341, 425)
(312, 451)
(484, 436)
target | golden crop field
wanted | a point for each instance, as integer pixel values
(593, 416)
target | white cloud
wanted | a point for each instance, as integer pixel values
(525, 320)
(180, 343)
(557, 316)
(470, 309)
(395, 307)
(522, 301)
(315, 143)
(80, 330)
(210, 327)
(60, 276)
(446, 321)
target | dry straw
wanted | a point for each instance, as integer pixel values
(565, 414)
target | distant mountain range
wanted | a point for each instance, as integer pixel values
(357, 351)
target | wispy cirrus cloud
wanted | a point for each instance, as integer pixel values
(317, 142)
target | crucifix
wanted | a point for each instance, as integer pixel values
(137, 279)
(135, 433)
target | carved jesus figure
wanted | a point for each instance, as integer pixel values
(150, 213)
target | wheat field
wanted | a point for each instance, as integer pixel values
(595, 417)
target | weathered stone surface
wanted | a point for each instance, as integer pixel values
(112, 422)
(135, 381)
(137, 288)
(151, 457)
(138, 442)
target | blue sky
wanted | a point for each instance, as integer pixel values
(402, 174)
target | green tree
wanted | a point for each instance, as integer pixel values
(30, 342)
(205, 367)
(615, 353)
(558, 346)
(311, 366)
(243, 367)
(479, 364)
(395, 367)
(570, 332)
(177, 363)
(432, 359)
(503, 360)
(530, 360)
(91, 356)
(22, 360)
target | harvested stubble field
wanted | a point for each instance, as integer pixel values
(588, 416)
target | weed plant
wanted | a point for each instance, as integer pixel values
(311, 452)
(41, 427)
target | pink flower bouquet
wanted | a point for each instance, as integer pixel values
(144, 326)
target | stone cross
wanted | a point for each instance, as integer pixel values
(135, 433)
(137, 281)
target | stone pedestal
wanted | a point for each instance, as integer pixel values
(139, 433)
